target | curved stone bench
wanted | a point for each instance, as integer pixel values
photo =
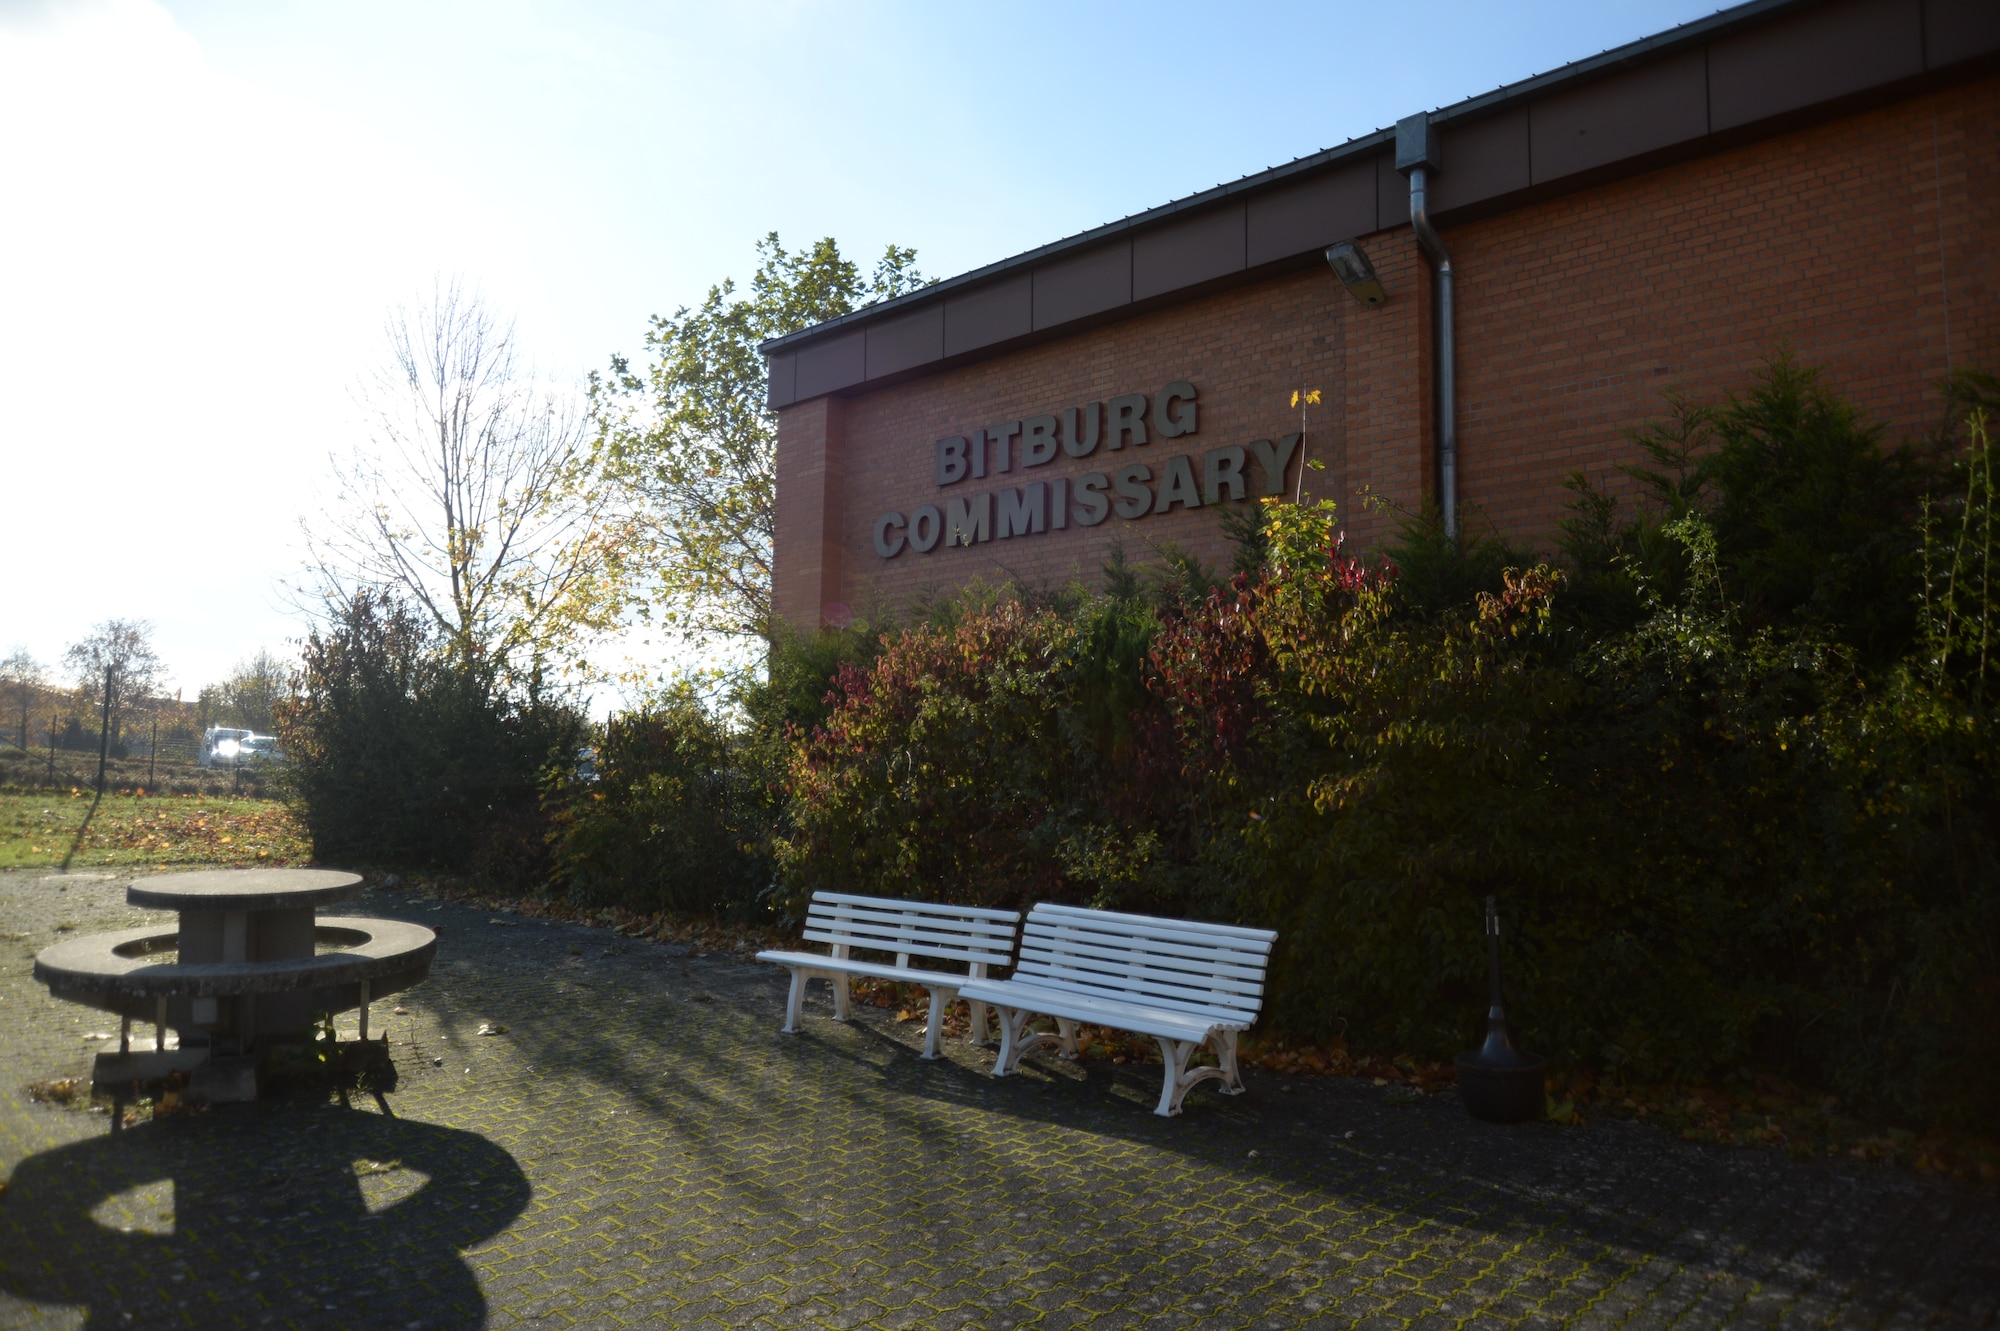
(250, 960)
(115, 972)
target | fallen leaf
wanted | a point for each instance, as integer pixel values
(492, 1028)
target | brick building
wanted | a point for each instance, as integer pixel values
(1823, 176)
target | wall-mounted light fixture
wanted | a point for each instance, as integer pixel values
(1350, 264)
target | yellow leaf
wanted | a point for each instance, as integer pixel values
(1295, 397)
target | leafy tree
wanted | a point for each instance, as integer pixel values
(478, 503)
(23, 677)
(250, 695)
(124, 649)
(691, 440)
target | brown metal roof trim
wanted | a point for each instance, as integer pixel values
(1754, 69)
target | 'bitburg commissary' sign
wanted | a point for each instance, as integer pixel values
(1133, 490)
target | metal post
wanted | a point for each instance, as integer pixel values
(153, 753)
(364, 1012)
(50, 780)
(160, 1026)
(125, 1035)
(1493, 952)
(104, 731)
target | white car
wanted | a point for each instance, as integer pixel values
(259, 749)
(222, 746)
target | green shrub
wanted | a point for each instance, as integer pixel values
(1815, 521)
(950, 767)
(667, 820)
(402, 755)
(1738, 812)
(1717, 846)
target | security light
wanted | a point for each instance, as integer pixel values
(1350, 264)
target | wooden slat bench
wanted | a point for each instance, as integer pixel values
(972, 936)
(1182, 982)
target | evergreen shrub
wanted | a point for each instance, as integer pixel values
(666, 819)
(402, 754)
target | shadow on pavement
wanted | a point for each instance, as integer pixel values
(313, 1217)
(842, 1135)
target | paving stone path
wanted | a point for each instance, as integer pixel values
(643, 1148)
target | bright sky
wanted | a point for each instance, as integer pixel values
(208, 207)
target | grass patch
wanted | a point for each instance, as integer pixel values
(160, 831)
(34, 771)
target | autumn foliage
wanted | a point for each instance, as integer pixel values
(1726, 837)
(1735, 791)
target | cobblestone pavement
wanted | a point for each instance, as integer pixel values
(644, 1148)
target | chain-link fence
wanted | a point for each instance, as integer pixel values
(55, 739)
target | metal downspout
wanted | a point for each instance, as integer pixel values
(1416, 155)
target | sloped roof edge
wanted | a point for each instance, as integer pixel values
(1499, 99)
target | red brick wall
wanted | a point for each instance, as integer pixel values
(1578, 313)
(1842, 241)
(807, 565)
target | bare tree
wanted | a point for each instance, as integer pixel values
(476, 502)
(119, 655)
(23, 677)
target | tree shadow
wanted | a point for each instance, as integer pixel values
(696, 1056)
(83, 829)
(314, 1217)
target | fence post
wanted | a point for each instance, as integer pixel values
(51, 779)
(153, 753)
(104, 731)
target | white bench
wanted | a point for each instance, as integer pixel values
(1182, 982)
(971, 935)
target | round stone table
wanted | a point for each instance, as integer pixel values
(253, 958)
